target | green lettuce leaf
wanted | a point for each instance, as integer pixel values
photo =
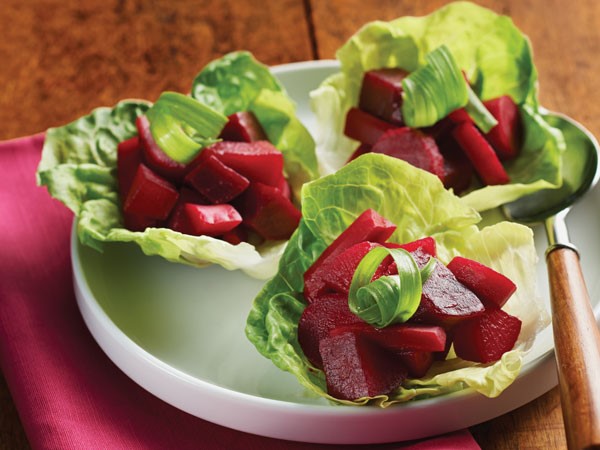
(78, 167)
(238, 82)
(497, 59)
(418, 204)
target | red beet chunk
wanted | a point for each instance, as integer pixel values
(355, 368)
(421, 250)
(412, 146)
(216, 181)
(486, 338)
(155, 158)
(492, 288)
(480, 153)
(136, 222)
(369, 226)
(381, 94)
(209, 220)
(284, 187)
(236, 236)
(404, 336)
(268, 212)
(506, 136)
(445, 301)
(258, 161)
(129, 157)
(426, 244)
(318, 319)
(177, 220)
(336, 274)
(360, 150)
(365, 127)
(417, 363)
(458, 170)
(150, 195)
(243, 127)
(459, 115)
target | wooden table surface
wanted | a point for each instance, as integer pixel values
(59, 59)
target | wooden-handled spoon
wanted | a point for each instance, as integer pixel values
(576, 334)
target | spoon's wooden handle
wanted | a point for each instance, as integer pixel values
(577, 345)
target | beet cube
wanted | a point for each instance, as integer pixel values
(136, 222)
(329, 311)
(355, 367)
(209, 220)
(506, 136)
(426, 244)
(129, 157)
(283, 187)
(445, 301)
(360, 150)
(258, 161)
(155, 158)
(216, 181)
(480, 153)
(243, 127)
(365, 127)
(236, 236)
(268, 212)
(412, 146)
(177, 220)
(417, 363)
(403, 336)
(459, 115)
(336, 274)
(150, 195)
(492, 288)
(486, 338)
(458, 170)
(381, 94)
(369, 226)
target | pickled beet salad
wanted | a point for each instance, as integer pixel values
(459, 304)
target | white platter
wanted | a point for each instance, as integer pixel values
(178, 332)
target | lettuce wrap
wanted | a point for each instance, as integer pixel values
(497, 59)
(418, 204)
(78, 165)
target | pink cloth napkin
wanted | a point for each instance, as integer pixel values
(68, 393)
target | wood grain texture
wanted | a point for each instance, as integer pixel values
(577, 343)
(60, 59)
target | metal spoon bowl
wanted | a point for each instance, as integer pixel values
(576, 334)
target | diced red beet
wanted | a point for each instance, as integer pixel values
(216, 181)
(284, 187)
(258, 161)
(487, 337)
(417, 363)
(129, 157)
(318, 319)
(210, 220)
(492, 288)
(369, 226)
(506, 136)
(426, 244)
(136, 222)
(336, 274)
(480, 153)
(360, 150)
(177, 220)
(412, 146)
(236, 236)
(459, 115)
(365, 127)
(155, 158)
(445, 301)
(243, 127)
(381, 94)
(403, 336)
(268, 212)
(421, 250)
(355, 368)
(150, 195)
(458, 170)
